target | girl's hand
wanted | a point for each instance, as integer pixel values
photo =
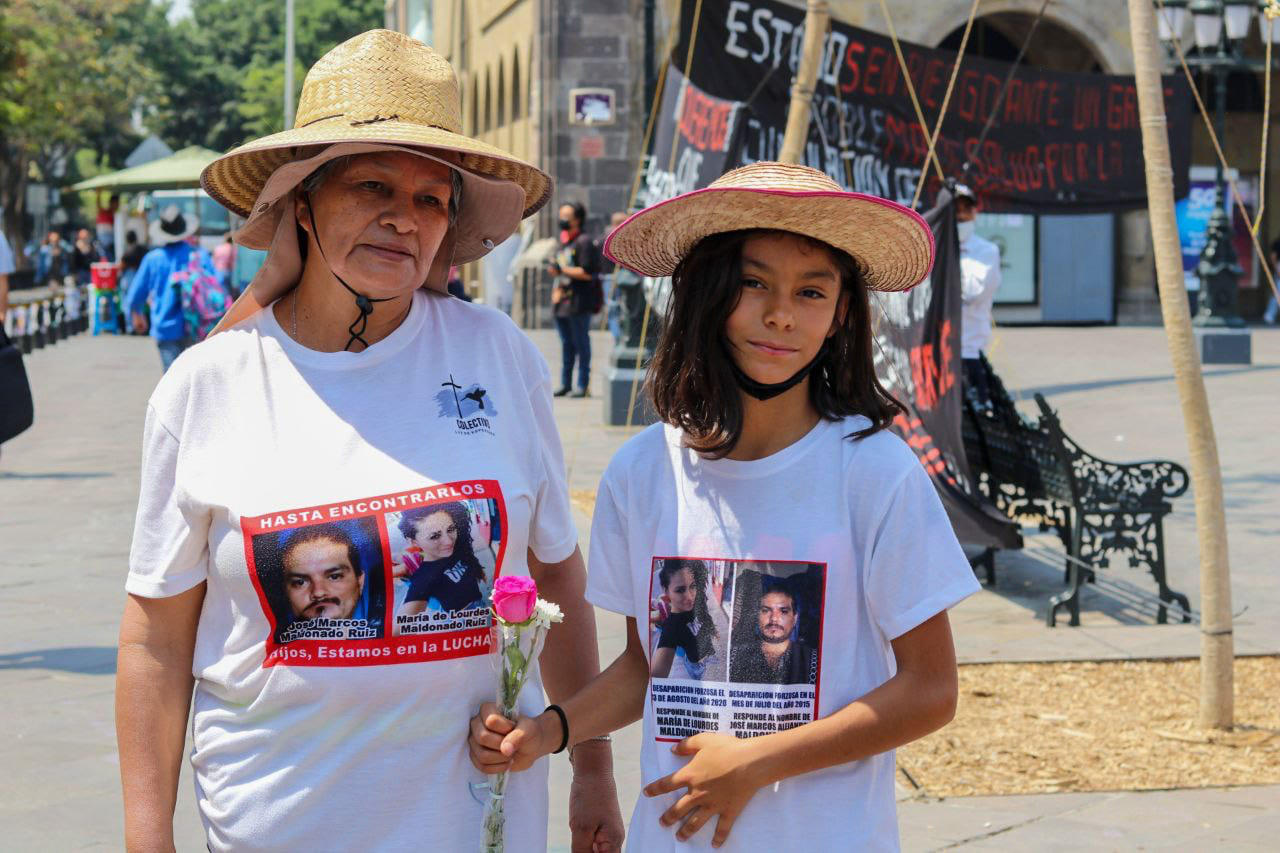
(481, 532)
(399, 570)
(721, 779)
(497, 744)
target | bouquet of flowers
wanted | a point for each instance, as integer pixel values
(521, 620)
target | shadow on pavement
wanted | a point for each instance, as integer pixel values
(1031, 577)
(61, 475)
(1072, 387)
(82, 660)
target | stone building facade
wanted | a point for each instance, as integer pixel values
(518, 60)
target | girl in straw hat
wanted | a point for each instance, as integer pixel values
(318, 704)
(774, 466)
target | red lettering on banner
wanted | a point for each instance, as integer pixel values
(932, 369)
(933, 73)
(851, 62)
(1051, 112)
(704, 122)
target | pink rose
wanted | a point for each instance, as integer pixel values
(514, 598)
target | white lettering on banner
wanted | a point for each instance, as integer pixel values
(785, 41)
(735, 27)
(661, 185)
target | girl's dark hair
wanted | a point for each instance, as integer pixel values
(691, 381)
(463, 548)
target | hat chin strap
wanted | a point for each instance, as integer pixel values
(364, 304)
(763, 391)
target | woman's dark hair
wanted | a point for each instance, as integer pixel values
(691, 380)
(701, 615)
(463, 549)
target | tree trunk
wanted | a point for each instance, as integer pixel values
(13, 198)
(1216, 645)
(816, 18)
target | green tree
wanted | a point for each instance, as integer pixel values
(224, 78)
(71, 83)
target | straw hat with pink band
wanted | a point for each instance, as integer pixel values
(379, 91)
(891, 244)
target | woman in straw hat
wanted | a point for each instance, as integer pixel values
(346, 388)
(774, 458)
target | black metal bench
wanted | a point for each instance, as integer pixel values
(1034, 472)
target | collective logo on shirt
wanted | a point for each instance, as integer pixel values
(469, 405)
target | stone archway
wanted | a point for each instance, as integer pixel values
(1082, 35)
(1054, 46)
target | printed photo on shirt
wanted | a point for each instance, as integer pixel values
(734, 645)
(689, 626)
(777, 623)
(323, 581)
(444, 557)
(396, 578)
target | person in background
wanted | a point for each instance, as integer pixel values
(224, 260)
(575, 267)
(53, 260)
(105, 224)
(130, 260)
(979, 281)
(171, 235)
(609, 277)
(84, 253)
(1273, 308)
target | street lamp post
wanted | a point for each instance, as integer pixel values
(1220, 28)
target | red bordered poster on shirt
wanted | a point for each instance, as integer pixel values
(395, 578)
(735, 646)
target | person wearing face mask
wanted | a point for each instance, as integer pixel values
(979, 281)
(576, 296)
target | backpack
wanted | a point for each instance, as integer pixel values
(204, 298)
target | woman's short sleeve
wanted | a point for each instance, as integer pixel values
(917, 568)
(552, 534)
(170, 551)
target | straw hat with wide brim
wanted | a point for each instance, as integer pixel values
(380, 86)
(891, 244)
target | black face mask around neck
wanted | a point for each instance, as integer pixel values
(364, 304)
(760, 390)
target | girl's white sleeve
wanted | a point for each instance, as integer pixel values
(610, 584)
(170, 551)
(917, 568)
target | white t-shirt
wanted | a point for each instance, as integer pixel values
(315, 727)
(805, 565)
(979, 281)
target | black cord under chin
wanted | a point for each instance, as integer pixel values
(364, 304)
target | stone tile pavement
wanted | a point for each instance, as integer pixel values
(68, 488)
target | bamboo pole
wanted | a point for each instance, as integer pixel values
(817, 16)
(1216, 643)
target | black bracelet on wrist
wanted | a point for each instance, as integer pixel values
(564, 727)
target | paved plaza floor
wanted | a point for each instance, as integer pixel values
(68, 488)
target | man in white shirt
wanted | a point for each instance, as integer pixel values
(979, 281)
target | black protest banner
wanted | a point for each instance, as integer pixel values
(918, 361)
(692, 142)
(1060, 141)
